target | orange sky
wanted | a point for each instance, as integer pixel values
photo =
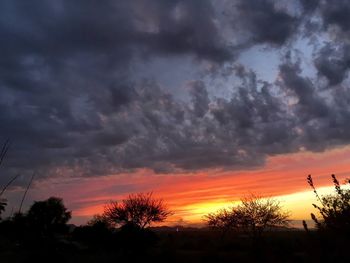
(191, 196)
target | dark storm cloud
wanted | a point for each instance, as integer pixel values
(255, 119)
(309, 5)
(332, 59)
(333, 63)
(72, 104)
(186, 27)
(64, 72)
(336, 13)
(200, 98)
(309, 104)
(265, 21)
(322, 116)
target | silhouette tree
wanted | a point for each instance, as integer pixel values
(223, 220)
(334, 208)
(99, 221)
(253, 216)
(138, 210)
(48, 216)
(97, 233)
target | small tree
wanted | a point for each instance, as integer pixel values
(138, 210)
(99, 221)
(224, 220)
(334, 208)
(253, 216)
(96, 233)
(48, 216)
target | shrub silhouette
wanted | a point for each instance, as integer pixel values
(99, 221)
(134, 238)
(253, 216)
(139, 210)
(224, 220)
(97, 233)
(334, 208)
(48, 216)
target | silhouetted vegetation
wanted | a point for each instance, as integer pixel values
(334, 209)
(96, 234)
(253, 216)
(2, 206)
(256, 230)
(332, 220)
(48, 216)
(137, 211)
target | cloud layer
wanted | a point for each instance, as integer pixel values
(73, 104)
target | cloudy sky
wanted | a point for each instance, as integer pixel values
(126, 96)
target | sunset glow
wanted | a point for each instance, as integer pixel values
(174, 131)
(199, 102)
(191, 196)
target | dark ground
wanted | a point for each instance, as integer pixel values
(88, 245)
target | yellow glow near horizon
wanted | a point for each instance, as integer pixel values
(199, 210)
(298, 204)
(192, 195)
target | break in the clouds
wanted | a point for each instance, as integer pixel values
(73, 102)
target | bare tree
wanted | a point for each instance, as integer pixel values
(224, 220)
(99, 221)
(140, 210)
(254, 215)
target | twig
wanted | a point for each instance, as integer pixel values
(25, 193)
(4, 150)
(8, 184)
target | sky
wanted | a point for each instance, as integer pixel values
(199, 101)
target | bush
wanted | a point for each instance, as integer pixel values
(140, 210)
(252, 216)
(48, 216)
(334, 208)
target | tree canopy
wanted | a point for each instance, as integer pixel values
(253, 215)
(140, 210)
(48, 215)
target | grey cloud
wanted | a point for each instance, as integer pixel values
(332, 59)
(188, 28)
(309, 5)
(333, 63)
(336, 13)
(200, 98)
(321, 116)
(265, 22)
(309, 104)
(72, 105)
